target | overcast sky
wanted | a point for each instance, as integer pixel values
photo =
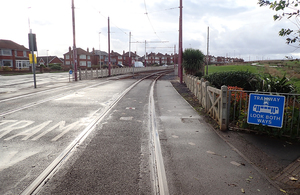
(238, 28)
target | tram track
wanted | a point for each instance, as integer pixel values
(159, 173)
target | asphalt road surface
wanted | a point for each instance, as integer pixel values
(128, 124)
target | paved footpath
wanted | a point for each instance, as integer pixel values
(197, 160)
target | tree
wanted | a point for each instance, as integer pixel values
(282, 5)
(192, 61)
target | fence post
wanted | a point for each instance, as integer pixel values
(205, 96)
(86, 74)
(79, 74)
(92, 75)
(223, 113)
(97, 73)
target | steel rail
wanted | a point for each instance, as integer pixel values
(157, 158)
(37, 184)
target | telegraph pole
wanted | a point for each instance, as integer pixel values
(109, 48)
(180, 69)
(129, 50)
(145, 53)
(207, 54)
(74, 42)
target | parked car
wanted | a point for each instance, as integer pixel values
(121, 65)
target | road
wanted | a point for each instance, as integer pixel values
(113, 136)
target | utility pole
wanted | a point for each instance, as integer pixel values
(180, 69)
(109, 48)
(145, 53)
(74, 42)
(129, 50)
(207, 54)
(99, 50)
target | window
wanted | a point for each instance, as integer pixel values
(88, 57)
(120, 57)
(22, 64)
(68, 63)
(6, 52)
(89, 64)
(67, 57)
(82, 56)
(7, 63)
(24, 54)
(82, 63)
(16, 53)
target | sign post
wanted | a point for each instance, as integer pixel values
(266, 110)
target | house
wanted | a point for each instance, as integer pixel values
(96, 55)
(13, 55)
(84, 58)
(133, 56)
(116, 58)
(45, 60)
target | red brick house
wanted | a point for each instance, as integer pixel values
(45, 60)
(84, 58)
(13, 55)
(134, 57)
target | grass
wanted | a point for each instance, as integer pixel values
(253, 69)
(291, 69)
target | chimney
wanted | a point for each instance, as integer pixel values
(93, 50)
(69, 49)
(88, 50)
(123, 52)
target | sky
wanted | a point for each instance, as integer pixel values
(237, 28)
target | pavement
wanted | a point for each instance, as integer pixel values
(198, 159)
(276, 160)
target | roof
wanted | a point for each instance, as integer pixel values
(47, 58)
(103, 53)
(131, 54)
(7, 44)
(79, 52)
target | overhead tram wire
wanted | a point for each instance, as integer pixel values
(105, 17)
(150, 20)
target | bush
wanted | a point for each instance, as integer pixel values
(243, 79)
(55, 66)
(5, 68)
(192, 61)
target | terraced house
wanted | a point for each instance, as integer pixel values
(13, 55)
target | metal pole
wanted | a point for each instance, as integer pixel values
(129, 49)
(180, 44)
(74, 42)
(207, 51)
(109, 49)
(145, 53)
(47, 59)
(99, 50)
(32, 55)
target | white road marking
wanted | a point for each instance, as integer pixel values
(15, 126)
(30, 132)
(65, 129)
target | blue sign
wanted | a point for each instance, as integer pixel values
(70, 72)
(266, 110)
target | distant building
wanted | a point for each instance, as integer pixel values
(13, 55)
(84, 58)
(46, 60)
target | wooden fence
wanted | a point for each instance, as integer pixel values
(213, 100)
